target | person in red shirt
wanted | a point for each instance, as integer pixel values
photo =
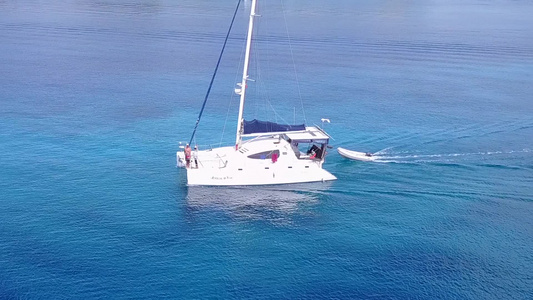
(187, 155)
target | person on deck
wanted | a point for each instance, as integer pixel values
(274, 157)
(195, 156)
(188, 155)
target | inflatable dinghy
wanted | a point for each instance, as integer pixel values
(362, 156)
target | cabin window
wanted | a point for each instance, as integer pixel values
(264, 155)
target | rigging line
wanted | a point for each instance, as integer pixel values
(293, 63)
(268, 107)
(215, 72)
(237, 74)
(276, 114)
(265, 93)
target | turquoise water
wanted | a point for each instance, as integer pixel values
(94, 98)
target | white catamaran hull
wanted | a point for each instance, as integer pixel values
(246, 166)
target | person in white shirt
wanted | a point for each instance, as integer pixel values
(195, 156)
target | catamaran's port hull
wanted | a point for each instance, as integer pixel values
(253, 164)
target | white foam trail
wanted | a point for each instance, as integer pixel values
(382, 151)
(443, 157)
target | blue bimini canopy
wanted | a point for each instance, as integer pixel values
(256, 126)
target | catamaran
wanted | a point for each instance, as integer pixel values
(264, 153)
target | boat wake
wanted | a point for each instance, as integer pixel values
(384, 156)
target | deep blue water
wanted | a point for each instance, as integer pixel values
(95, 96)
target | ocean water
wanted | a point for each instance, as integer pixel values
(96, 95)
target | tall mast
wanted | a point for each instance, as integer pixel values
(240, 127)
